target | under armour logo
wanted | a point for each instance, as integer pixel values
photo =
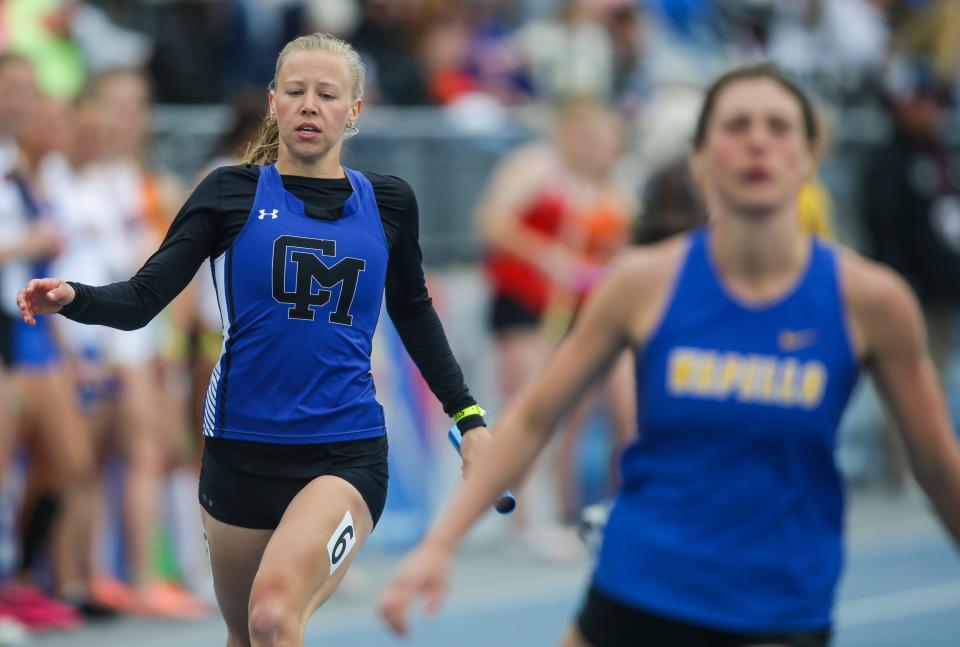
(273, 214)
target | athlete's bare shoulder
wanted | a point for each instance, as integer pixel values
(532, 159)
(871, 287)
(643, 278)
(654, 261)
(880, 304)
(518, 177)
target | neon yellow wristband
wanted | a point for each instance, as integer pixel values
(472, 410)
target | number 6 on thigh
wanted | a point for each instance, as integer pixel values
(341, 542)
(312, 548)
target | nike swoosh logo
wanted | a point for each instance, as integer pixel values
(790, 340)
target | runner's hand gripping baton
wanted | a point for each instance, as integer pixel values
(506, 503)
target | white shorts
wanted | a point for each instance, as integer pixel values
(133, 347)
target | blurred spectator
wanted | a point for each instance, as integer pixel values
(911, 197)
(551, 217)
(671, 205)
(626, 23)
(664, 128)
(815, 209)
(497, 61)
(17, 95)
(338, 17)
(40, 29)
(911, 207)
(258, 29)
(104, 44)
(686, 42)
(57, 520)
(931, 28)
(570, 54)
(447, 51)
(745, 24)
(831, 43)
(688, 19)
(150, 419)
(68, 40)
(386, 44)
(193, 44)
(538, 213)
(814, 202)
(247, 110)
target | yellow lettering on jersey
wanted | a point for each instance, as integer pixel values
(813, 383)
(747, 377)
(705, 372)
(680, 369)
(728, 375)
(766, 373)
(788, 383)
(759, 379)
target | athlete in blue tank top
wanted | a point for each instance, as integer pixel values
(748, 338)
(303, 252)
(300, 299)
(740, 406)
(31, 348)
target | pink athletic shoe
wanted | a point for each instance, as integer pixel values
(37, 611)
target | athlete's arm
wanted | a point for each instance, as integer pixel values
(131, 304)
(618, 314)
(40, 241)
(602, 330)
(410, 306)
(896, 354)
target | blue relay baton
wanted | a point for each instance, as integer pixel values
(507, 502)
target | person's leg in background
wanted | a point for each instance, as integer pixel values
(148, 430)
(57, 518)
(8, 431)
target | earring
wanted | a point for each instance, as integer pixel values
(351, 129)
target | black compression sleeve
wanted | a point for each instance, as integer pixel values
(412, 312)
(129, 305)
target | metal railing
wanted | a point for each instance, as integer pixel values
(448, 163)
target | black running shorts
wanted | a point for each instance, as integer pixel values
(605, 622)
(250, 484)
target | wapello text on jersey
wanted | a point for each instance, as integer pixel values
(753, 378)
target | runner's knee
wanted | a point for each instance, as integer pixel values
(273, 620)
(274, 612)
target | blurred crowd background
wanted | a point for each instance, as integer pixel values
(540, 136)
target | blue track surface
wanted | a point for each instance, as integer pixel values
(901, 588)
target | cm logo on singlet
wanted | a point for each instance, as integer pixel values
(314, 279)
